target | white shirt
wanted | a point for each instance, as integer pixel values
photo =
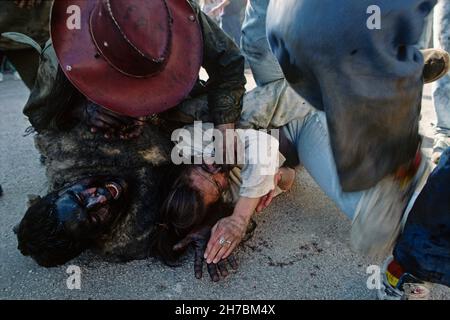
(257, 157)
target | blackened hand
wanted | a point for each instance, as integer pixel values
(199, 240)
(134, 130)
(221, 268)
(112, 124)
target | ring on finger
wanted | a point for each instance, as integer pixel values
(222, 241)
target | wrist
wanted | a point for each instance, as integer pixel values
(245, 208)
(243, 216)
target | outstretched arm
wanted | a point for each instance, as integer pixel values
(232, 229)
(229, 231)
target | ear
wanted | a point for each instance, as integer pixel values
(32, 199)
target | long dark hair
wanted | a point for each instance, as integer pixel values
(41, 236)
(182, 211)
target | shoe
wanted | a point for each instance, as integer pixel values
(398, 285)
(437, 63)
(1, 77)
(441, 143)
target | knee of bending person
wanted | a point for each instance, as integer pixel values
(264, 65)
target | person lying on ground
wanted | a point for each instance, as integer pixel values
(247, 185)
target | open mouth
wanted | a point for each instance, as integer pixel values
(115, 190)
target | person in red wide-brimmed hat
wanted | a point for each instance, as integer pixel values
(129, 60)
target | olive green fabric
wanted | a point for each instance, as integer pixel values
(31, 22)
(225, 65)
(35, 109)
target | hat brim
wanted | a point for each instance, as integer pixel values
(106, 86)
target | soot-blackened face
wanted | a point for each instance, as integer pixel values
(64, 223)
(211, 180)
(88, 208)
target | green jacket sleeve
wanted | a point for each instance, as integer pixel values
(225, 65)
(36, 108)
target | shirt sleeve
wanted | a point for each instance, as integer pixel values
(261, 163)
(224, 64)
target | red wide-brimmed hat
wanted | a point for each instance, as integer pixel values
(134, 57)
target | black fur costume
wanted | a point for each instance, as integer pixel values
(142, 162)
